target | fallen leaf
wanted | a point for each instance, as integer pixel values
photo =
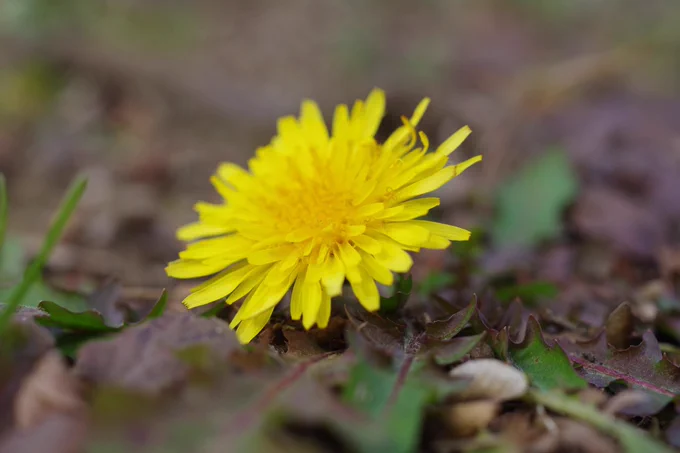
(548, 367)
(519, 223)
(619, 326)
(21, 347)
(144, 357)
(637, 403)
(445, 329)
(49, 389)
(455, 349)
(642, 367)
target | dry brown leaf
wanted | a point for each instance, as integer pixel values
(144, 357)
(491, 379)
(619, 326)
(575, 436)
(633, 402)
(48, 389)
(30, 343)
(62, 433)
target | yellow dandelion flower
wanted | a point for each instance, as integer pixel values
(316, 208)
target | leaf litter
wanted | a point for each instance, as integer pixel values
(573, 298)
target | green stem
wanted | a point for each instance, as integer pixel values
(34, 270)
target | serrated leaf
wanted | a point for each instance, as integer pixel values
(530, 204)
(643, 366)
(395, 400)
(445, 329)
(548, 367)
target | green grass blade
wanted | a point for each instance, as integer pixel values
(34, 270)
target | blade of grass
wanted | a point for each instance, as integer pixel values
(34, 270)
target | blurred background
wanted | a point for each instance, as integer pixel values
(573, 103)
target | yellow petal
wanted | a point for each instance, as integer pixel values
(333, 276)
(453, 142)
(311, 301)
(376, 270)
(218, 288)
(413, 209)
(461, 167)
(348, 255)
(367, 243)
(406, 233)
(266, 297)
(340, 121)
(249, 328)
(199, 230)
(248, 284)
(324, 311)
(312, 123)
(271, 255)
(366, 291)
(374, 111)
(426, 185)
(393, 257)
(419, 111)
(192, 269)
(234, 245)
(369, 210)
(436, 243)
(450, 232)
(296, 298)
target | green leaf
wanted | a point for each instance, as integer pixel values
(402, 291)
(395, 400)
(547, 367)
(79, 326)
(530, 205)
(159, 307)
(445, 329)
(632, 439)
(529, 293)
(456, 349)
(88, 321)
(435, 281)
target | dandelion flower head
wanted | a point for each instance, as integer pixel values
(316, 208)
